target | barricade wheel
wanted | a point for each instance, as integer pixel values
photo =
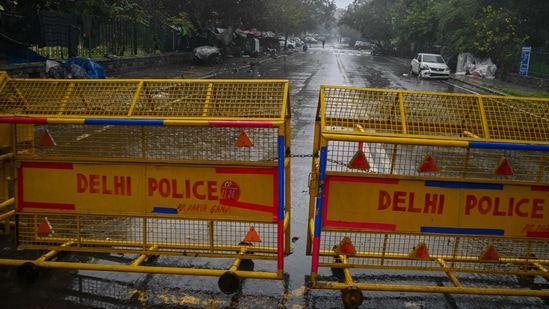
(28, 271)
(352, 297)
(229, 283)
(246, 264)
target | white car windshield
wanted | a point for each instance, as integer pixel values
(433, 59)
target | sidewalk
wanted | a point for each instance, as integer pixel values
(198, 70)
(494, 86)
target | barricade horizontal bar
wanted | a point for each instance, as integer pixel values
(129, 121)
(378, 138)
(463, 185)
(141, 269)
(125, 122)
(463, 231)
(433, 289)
(509, 146)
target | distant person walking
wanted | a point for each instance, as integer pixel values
(323, 42)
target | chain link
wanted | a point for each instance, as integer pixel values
(337, 162)
(310, 155)
(294, 156)
(301, 155)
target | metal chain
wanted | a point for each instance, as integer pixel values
(312, 155)
(337, 162)
(301, 155)
(293, 156)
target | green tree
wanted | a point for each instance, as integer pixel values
(413, 27)
(499, 34)
(375, 20)
(456, 26)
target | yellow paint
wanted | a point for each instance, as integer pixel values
(410, 205)
(127, 189)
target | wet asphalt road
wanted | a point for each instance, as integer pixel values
(334, 65)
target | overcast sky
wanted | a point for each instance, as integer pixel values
(343, 3)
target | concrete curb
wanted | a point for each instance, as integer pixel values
(476, 85)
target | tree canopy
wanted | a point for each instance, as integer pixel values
(294, 16)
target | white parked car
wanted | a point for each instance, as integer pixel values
(430, 66)
(289, 43)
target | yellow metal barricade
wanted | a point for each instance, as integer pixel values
(7, 209)
(416, 183)
(188, 168)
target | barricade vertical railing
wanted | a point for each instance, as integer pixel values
(185, 168)
(406, 184)
(7, 209)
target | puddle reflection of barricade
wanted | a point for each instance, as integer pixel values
(98, 290)
(419, 299)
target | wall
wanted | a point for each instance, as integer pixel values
(112, 66)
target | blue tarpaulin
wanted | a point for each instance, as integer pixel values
(94, 69)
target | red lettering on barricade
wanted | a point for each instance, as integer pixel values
(196, 193)
(523, 207)
(405, 202)
(384, 200)
(212, 189)
(81, 183)
(434, 203)
(399, 198)
(94, 183)
(183, 189)
(102, 184)
(536, 228)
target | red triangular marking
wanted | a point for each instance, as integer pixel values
(504, 168)
(47, 139)
(489, 253)
(359, 161)
(243, 140)
(252, 236)
(346, 247)
(45, 227)
(420, 251)
(428, 164)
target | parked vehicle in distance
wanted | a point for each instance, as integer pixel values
(362, 45)
(429, 66)
(289, 43)
(376, 51)
(296, 41)
(310, 40)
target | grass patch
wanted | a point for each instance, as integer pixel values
(533, 94)
(518, 93)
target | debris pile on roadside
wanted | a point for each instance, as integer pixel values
(74, 68)
(469, 65)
